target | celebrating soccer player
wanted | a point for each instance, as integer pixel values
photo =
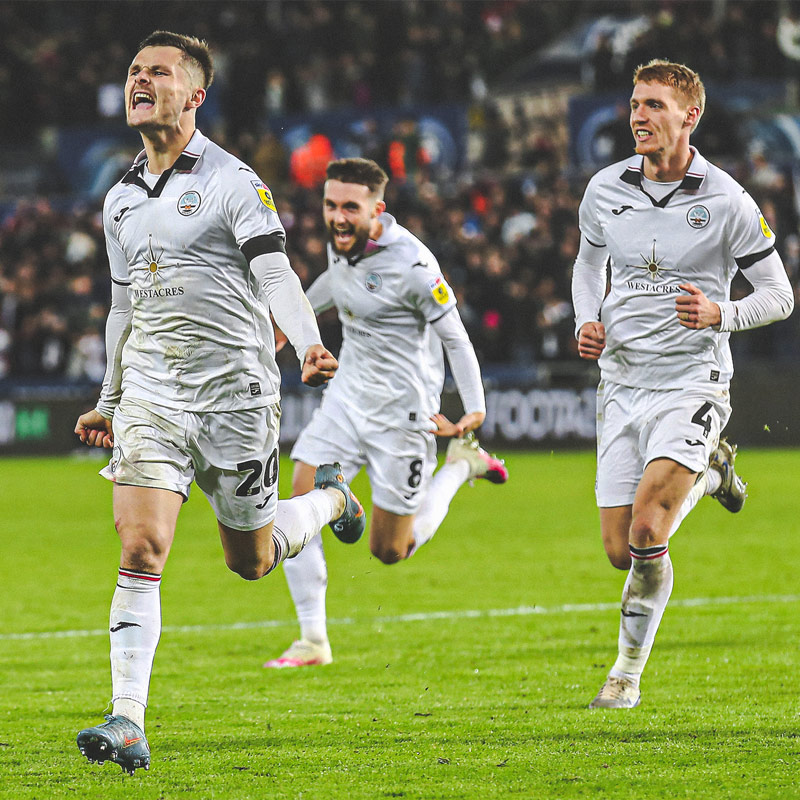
(674, 229)
(381, 410)
(191, 390)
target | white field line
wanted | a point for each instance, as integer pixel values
(519, 611)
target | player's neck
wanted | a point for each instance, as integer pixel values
(658, 167)
(375, 230)
(163, 146)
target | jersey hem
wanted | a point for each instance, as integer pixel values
(262, 401)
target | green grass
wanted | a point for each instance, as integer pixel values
(466, 705)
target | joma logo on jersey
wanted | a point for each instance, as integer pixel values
(698, 216)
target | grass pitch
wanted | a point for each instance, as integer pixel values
(462, 673)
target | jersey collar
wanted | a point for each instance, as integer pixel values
(692, 180)
(185, 162)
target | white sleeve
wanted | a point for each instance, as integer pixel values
(588, 283)
(772, 298)
(286, 301)
(319, 293)
(118, 328)
(463, 361)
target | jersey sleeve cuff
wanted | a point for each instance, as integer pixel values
(580, 322)
(105, 410)
(727, 313)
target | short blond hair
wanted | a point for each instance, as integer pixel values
(683, 80)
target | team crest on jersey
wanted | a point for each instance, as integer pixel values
(264, 194)
(765, 229)
(440, 290)
(188, 203)
(373, 282)
(698, 216)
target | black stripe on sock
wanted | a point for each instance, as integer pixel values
(648, 552)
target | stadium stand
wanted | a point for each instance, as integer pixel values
(495, 195)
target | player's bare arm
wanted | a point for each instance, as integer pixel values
(94, 429)
(695, 310)
(591, 340)
(319, 365)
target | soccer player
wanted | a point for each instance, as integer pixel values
(381, 410)
(674, 229)
(191, 391)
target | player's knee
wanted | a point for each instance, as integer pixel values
(251, 569)
(644, 533)
(142, 550)
(387, 554)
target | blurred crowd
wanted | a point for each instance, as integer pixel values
(504, 227)
(506, 243)
(64, 61)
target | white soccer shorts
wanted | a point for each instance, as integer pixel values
(636, 426)
(232, 456)
(399, 462)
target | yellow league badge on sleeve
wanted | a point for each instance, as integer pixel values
(765, 229)
(440, 290)
(264, 194)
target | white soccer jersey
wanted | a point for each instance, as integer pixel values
(200, 338)
(391, 363)
(700, 233)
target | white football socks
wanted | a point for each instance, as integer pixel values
(307, 576)
(301, 518)
(644, 598)
(698, 491)
(713, 481)
(447, 480)
(135, 628)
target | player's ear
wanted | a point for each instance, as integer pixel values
(380, 207)
(197, 98)
(692, 116)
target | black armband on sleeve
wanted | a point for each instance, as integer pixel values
(747, 261)
(260, 245)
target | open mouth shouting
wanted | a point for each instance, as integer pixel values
(343, 237)
(142, 100)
